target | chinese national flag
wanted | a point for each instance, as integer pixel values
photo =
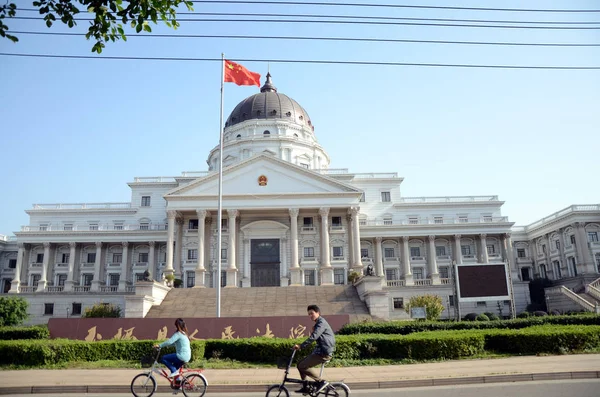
(236, 73)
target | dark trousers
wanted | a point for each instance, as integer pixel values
(305, 366)
(171, 361)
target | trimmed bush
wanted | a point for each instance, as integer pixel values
(492, 316)
(13, 310)
(523, 315)
(470, 317)
(102, 310)
(482, 317)
(16, 333)
(540, 313)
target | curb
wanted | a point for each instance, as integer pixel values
(353, 386)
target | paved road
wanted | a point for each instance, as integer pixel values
(559, 388)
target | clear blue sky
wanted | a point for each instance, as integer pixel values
(79, 130)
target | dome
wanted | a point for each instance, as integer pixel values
(269, 105)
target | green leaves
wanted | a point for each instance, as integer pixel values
(13, 310)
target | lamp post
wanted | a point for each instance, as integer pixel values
(67, 312)
(547, 304)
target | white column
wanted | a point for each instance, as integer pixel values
(457, 250)
(43, 280)
(97, 268)
(326, 270)
(170, 239)
(124, 278)
(484, 253)
(151, 258)
(563, 258)
(408, 277)
(285, 278)
(350, 240)
(378, 257)
(588, 263)
(70, 277)
(177, 261)
(16, 281)
(246, 280)
(433, 269)
(357, 265)
(200, 269)
(232, 271)
(295, 272)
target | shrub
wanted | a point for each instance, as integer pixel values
(482, 317)
(13, 310)
(432, 303)
(102, 310)
(16, 333)
(523, 315)
(492, 316)
(353, 276)
(540, 313)
(471, 317)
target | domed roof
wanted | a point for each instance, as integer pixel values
(269, 104)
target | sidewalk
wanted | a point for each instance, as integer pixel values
(246, 380)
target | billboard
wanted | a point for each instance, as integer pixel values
(479, 282)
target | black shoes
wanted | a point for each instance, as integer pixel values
(321, 386)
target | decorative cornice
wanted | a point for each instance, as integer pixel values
(201, 214)
(294, 212)
(232, 214)
(324, 211)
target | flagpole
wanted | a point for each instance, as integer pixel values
(220, 193)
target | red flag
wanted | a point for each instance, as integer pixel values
(236, 73)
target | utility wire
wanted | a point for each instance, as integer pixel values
(298, 3)
(359, 23)
(303, 61)
(361, 39)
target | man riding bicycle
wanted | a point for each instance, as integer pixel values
(323, 335)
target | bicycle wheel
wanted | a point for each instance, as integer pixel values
(337, 389)
(143, 385)
(277, 391)
(193, 385)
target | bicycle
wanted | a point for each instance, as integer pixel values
(190, 381)
(333, 389)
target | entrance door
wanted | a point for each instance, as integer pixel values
(7, 283)
(264, 262)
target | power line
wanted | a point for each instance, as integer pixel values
(271, 15)
(391, 6)
(360, 39)
(359, 23)
(303, 61)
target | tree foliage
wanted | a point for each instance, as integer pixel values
(108, 16)
(432, 303)
(13, 311)
(102, 310)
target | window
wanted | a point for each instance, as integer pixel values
(481, 304)
(309, 252)
(43, 227)
(593, 237)
(224, 223)
(525, 276)
(573, 265)
(91, 257)
(139, 277)
(556, 265)
(338, 252)
(413, 220)
(388, 221)
(487, 218)
(521, 253)
(389, 253)
(438, 219)
(364, 252)
(304, 165)
(362, 197)
(415, 251)
(386, 197)
(418, 273)
(223, 253)
(223, 279)
(143, 257)
(390, 274)
(543, 271)
(309, 277)
(491, 249)
(339, 276)
(39, 258)
(87, 279)
(65, 258)
(336, 221)
(68, 227)
(190, 279)
(192, 254)
(12, 263)
(193, 224)
(507, 303)
(398, 303)
(113, 279)
(544, 248)
(557, 244)
(266, 134)
(444, 273)
(463, 219)
(440, 251)
(573, 239)
(35, 279)
(308, 221)
(76, 309)
(145, 201)
(60, 280)
(465, 249)
(48, 309)
(362, 222)
(451, 300)
(144, 226)
(117, 258)
(93, 226)
(118, 226)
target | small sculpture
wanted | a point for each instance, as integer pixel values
(370, 271)
(146, 276)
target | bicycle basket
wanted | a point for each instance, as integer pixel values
(147, 361)
(282, 362)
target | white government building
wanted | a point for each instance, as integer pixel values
(288, 220)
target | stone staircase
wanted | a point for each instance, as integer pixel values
(261, 302)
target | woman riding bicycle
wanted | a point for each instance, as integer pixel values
(183, 352)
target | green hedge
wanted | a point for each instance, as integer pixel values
(409, 327)
(16, 333)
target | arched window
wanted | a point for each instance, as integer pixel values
(266, 134)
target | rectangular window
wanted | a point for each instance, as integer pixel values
(65, 258)
(386, 197)
(114, 279)
(487, 218)
(413, 220)
(145, 201)
(193, 224)
(418, 273)
(39, 258)
(190, 278)
(389, 253)
(76, 309)
(481, 304)
(35, 279)
(388, 221)
(362, 222)
(43, 227)
(308, 221)
(223, 279)
(593, 237)
(339, 276)
(117, 258)
(309, 277)
(224, 223)
(557, 244)
(309, 252)
(12, 263)
(60, 280)
(139, 277)
(451, 300)
(223, 253)
(557, 269)
(415, 251)
(364, 252)
(440, 251)
(491, 249)
(362, 197)
(68, 227)
(398, 303)
(48, 309)
(390, 274)
(444, 272)
(336, 221)
(144, 226)
(521, 253)
(465, 249)
(192, 254)
(338, 252)
(91, 257)
(438, 219)
(573, 239)
(118, 226)
(463, 219)
(87, 279)
(544, 248)
(143, 258)
(93, 226)
(304, 165)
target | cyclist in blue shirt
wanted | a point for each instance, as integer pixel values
(183, 352)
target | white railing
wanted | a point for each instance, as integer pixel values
(571, 295)
(80, 206)
(130, 288)
(194, 174)
(308, 229)
(154, 179)
(61, 264)
(27, 290)
(422, 282)
(592, 291)
(109, 288)
(337, 228)
(311, 259)
(87, 227)
(445, 281)
(114, 264)
(366, 260)
(447, 199)
(596, 283)
(396, 283)
(375, 175)
(55, 289)
(81, 288)
(338, 258)
(558, 214)
(332, 171)
(443, 257)
(6, 238)
(417, 258)
(88, 264)
(392, 259)
(470, 256)
(139, 264)
(36, 264)
(432, 221)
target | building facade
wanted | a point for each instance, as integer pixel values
(288, 220)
